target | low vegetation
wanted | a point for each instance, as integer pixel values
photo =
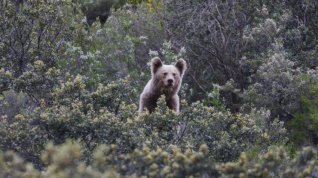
(69, 89)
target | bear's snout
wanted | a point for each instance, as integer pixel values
(169, 82)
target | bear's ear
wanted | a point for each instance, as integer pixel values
(156, 63)
(181, 65)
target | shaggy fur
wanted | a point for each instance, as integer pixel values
(166, 80)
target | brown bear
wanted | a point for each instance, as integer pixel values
(165, 80)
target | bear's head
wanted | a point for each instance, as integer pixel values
(167, 76)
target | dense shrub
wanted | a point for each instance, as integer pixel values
(288, 92)
(213, 42)
(107, 116)
(32, 41)
(122, 47)
(275, 163)
(66, 161)
(304, 125)
(300, 37)
(278, 85)
(69, 92)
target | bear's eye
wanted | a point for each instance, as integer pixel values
(174, 74)
(165, 73)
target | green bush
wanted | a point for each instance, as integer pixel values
(33, 39)
(274, 163)
(305, 124)
(66, 161)
(109, 116)
(69, 92)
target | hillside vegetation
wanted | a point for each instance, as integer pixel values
(71, 73)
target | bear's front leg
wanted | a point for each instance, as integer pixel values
(141, 105)
(173, 103)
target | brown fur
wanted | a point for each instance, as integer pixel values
(166, 80)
